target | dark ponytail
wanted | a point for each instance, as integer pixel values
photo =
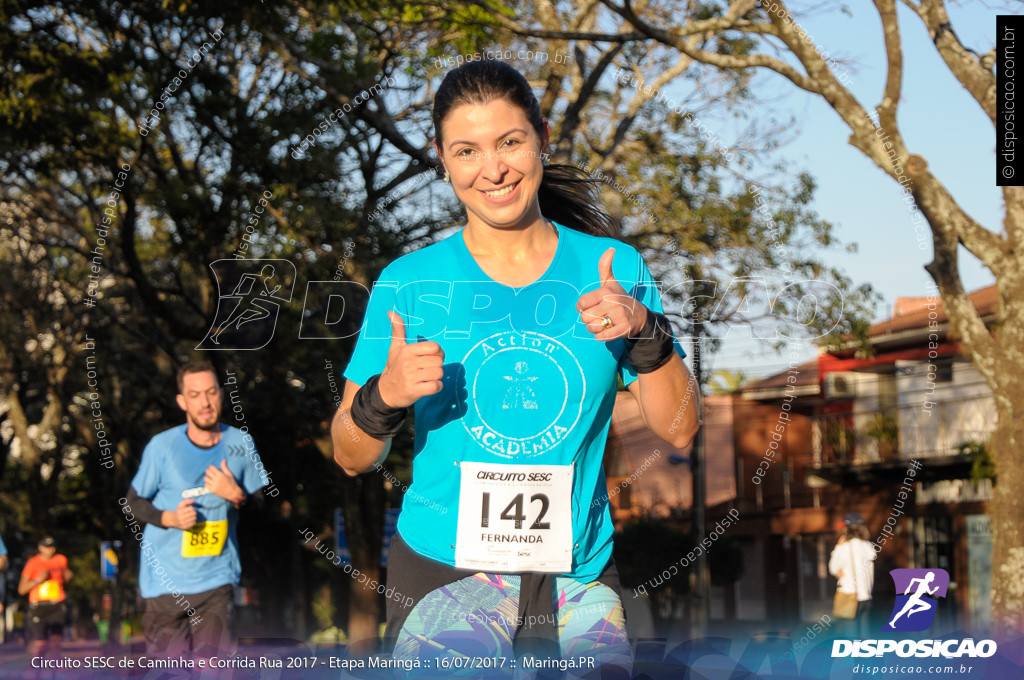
(570, 197)
(567, 195)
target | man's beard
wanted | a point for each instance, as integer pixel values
(213, 424)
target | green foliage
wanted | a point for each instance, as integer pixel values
(733, 251)
(86, 586)
(323, 608)
(884, 428)
(983, 466)
(331, 635)
(840, 438)
(724, 381)
(77, 81)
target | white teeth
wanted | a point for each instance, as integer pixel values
(502, 192)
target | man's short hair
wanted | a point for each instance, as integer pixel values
(193, 366)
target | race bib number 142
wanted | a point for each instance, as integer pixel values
(515, 518)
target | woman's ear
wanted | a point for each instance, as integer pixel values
(437, 150)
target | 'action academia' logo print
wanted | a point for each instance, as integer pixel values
(540, 387)
(251, 293)
(915, 607)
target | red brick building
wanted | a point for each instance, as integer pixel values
(795, 452)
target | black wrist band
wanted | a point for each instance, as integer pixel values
(372, 415)
(653, 347)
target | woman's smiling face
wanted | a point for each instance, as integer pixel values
(493, 155)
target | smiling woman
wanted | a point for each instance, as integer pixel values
(490, 136)
(513, 388)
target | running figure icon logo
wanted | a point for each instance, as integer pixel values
(251, 293)
(915, 607)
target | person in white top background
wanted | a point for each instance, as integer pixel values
(852, 553)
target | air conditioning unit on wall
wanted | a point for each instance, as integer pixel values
(840, 385)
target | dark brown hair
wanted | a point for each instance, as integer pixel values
(193, 366)
(567, 195)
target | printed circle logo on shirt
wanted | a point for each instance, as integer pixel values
(527, 393)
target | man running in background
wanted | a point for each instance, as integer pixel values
(190, 484)
(43, 580)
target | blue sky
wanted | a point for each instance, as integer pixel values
(938, 120)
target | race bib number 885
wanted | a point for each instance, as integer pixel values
(515, 518)
(205, 538)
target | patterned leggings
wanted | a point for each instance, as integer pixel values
(472, 621)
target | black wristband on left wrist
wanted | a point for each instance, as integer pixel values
(371, 413)
(653, 347)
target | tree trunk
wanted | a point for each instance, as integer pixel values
(38, 500)
(1007, 512)
(363, 505)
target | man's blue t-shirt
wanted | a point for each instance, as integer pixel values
(172, 469)
(3, 548)
(524, 381)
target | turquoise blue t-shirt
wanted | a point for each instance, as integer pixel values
(524, 381)
(3, 548)
(172, 469)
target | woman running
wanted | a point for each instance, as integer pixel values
(507, 339)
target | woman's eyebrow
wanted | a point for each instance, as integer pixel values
(501, 136)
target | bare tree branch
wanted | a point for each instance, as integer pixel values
(963, 63)
(894, 56)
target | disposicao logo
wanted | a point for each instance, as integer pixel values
(917, 591)
(248, 303)
(915, 608)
